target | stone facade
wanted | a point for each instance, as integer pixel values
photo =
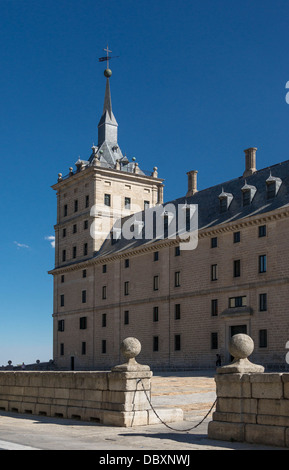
(184, 306)
(119, 315)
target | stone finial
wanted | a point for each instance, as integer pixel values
(130, 348)
(240, 347)
(155, 172)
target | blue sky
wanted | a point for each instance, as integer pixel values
(196, 83)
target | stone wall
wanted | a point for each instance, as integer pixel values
(117, 397)
(252, 406)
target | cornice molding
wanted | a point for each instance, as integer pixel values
(155, 246)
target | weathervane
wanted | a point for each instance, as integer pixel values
(107, 71)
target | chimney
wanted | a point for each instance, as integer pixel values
(250, 161)
(192, 183)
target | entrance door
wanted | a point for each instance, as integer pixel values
(235, 330)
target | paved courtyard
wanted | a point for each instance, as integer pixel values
(192, 391)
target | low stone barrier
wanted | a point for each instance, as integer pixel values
(252, 406)
(118, 397)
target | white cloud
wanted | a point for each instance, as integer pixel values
(51, 238)
(21, 245)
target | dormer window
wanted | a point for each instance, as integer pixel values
(273, 185)
(225, 200)
(248, 192)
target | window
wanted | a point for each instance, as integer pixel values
(156, 256)
(61, 349)
(107, 201)
(83, 323)
(239, 301)
(126, 288)
(85, 225)
(177, 342)
(262, 302)
(214, 307)
(177, 311)
(262, 231)
(225, 201)
(126, 317)
(263, 339)
(84, 273)
(83, 296)
(61, 325)
(85, 249)
(214, 340)
(87, 201)
(126, 263)
(155, 343)
(104, 292)
(127, 202)
(103, 346)
(214, 272)
(166, 224)
(63, 255)
(237, 237)
(74, 249)
(188, 219)
(104, 268)
(64, 233)
(262, 264)
(83, 348)
(62, 300)
(177, 279)
(214, 242)
(246, 198)
(146, 204)
(237, 268)
(76, 205)
(74, 228)
(156, 314)
(62, 278)
(223, 204)
(65, 211)
(103, 320)
(156, 283)
(271, 190)
(177, 251)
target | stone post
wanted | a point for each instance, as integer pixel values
(126, 397)
(235, 405)
(127, 401)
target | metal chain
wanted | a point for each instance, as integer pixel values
(170, 427)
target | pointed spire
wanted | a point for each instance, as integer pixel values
(107, 126)
(107, 99)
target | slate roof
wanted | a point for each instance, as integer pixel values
(209, 214)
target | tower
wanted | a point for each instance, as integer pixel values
(95, 193)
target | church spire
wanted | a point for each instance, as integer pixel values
(107, 126)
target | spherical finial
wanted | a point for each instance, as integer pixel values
(107, 73)
(241, 346)
(130, 348)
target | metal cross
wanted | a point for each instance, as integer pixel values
(107, 56)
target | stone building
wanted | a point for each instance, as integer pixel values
(183, 305)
